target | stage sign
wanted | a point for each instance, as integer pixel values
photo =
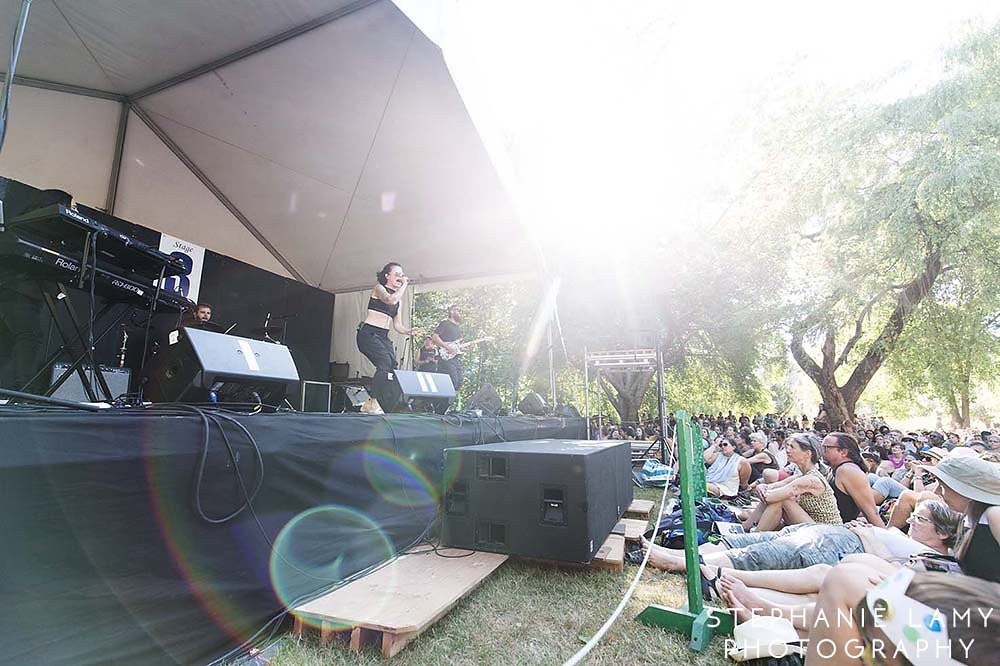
(187, 283)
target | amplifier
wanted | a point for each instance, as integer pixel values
(549, 498)
(196, 363)
(72, 388)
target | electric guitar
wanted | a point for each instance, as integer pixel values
(446, 355)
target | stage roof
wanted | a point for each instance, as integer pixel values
(315, 138)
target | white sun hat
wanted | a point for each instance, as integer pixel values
(763, 637)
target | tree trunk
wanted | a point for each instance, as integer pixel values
(965, 422)
(629, 389)
(841, 400)
(956, 411)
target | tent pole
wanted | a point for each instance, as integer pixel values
(213, 188)
(586, 388)
(552, 371)
(116, 163)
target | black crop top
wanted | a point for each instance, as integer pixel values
(383, 307)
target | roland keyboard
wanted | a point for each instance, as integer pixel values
(23, 256)
(65, 229)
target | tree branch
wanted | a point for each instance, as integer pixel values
(906, 303)
(804, 360)
(858, 330)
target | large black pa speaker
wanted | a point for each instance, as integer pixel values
(195, 363)
(533, 405)
(422, 391)
(549, 498)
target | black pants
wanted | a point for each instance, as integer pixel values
(374, 343)
(452, 368)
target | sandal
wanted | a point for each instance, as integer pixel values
(709, 586)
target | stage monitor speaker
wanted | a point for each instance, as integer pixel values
(552, 499)
(567, 411)
(422, 391)
(533, 405)
(196, 363)
(72, 388)
(349, 399)
(315, 397)
(487, 400)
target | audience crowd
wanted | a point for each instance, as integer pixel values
(848, 523)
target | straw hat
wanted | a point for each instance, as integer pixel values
(973, 478)
(936, 452)
(763, 637)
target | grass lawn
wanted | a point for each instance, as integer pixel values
(530, 614)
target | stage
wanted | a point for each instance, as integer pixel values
(111, 549)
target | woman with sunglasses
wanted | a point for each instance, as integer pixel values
(722, 478)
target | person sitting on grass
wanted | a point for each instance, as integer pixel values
(849, 479)
(723, 477)
(759, 457)
(803, 498)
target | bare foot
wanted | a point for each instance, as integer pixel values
(661, 558)
(739, 611)
(734, 590)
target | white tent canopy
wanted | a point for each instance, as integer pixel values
(317, 139)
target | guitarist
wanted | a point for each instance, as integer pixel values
(446, 336)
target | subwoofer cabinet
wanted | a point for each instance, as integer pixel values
(548, 498)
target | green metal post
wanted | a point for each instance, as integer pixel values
(697, 466)
(697, 621)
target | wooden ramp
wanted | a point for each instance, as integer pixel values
(393, 605)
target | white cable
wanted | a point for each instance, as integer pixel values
(595, 639)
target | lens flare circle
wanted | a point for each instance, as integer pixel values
(323, 546)
(396, 479)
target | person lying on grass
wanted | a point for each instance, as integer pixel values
(932, 530)
(789, 593)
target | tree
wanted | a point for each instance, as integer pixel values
(952, 345)
(887, 200)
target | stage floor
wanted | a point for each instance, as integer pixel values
(111, 549)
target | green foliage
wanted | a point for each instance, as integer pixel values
(886, 200)
(503, 311)
(952, 346)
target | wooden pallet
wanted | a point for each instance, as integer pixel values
(632, 528)
(640, 508)
(395, 604)
(610, 557)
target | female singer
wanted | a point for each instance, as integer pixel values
(373, 333)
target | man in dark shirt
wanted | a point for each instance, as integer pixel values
(427, 356)
(446, 337)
